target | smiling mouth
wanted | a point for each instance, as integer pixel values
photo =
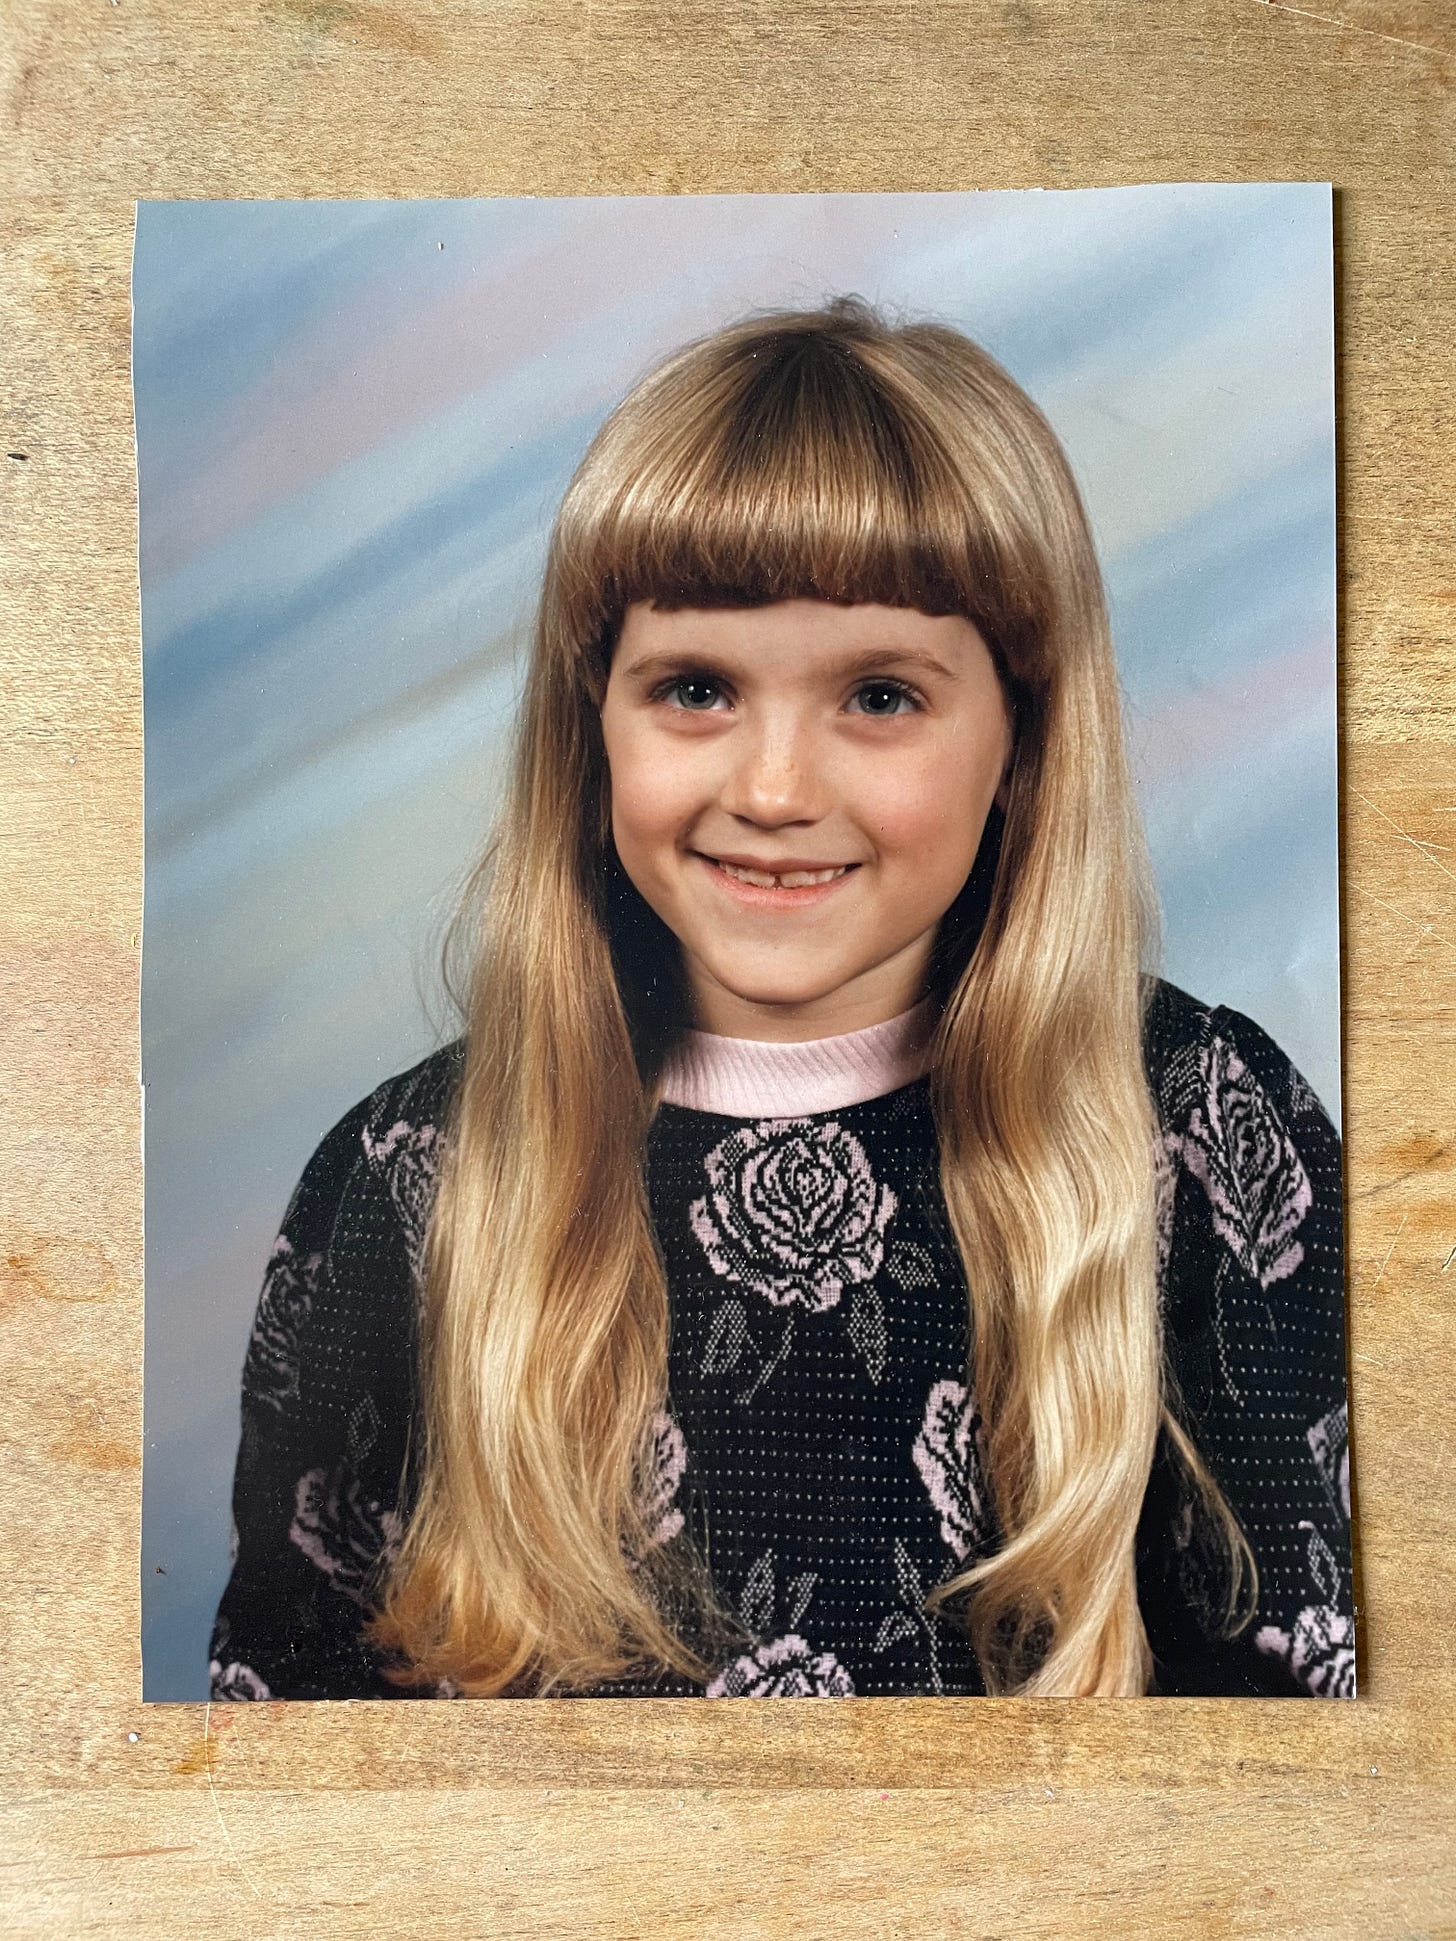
(789, 879)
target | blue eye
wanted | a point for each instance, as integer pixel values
(693, 692)
(883, 698)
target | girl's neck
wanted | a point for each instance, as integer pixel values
(751, 1078)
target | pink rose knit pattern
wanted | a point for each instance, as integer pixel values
(947, 1455)
(274, 1351)
(407, 1159)
(792, 1211)
(660, 1511)
(237, 1682)
(341, 1529)
(785, 1668)
(1237, 1148)
(819, 1451)
(1319, 1646)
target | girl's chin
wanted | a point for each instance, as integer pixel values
(779, 1005)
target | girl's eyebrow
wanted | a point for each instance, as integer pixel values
(870, 660)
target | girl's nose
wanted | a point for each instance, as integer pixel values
(774, 778)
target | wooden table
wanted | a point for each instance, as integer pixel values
(876, 1818)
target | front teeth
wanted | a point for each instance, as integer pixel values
(793, 879)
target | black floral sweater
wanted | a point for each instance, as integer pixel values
(819, 1441)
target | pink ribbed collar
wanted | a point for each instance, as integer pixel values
(747, 1078)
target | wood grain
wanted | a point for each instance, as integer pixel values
(878, 1818)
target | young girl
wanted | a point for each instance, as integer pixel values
(828, 1262)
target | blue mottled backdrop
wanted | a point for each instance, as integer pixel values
(354, 422)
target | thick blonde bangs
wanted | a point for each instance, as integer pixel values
(777, 462)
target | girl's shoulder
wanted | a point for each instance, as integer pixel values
(411, 1108)
(1202, 1058)
(1249, 1172)
(380, 1158)
(419, 1095)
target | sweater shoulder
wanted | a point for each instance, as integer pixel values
(422, 1092)
(1173, 1019)
(1187, 1044)
(377, 1162)
(414, 1102)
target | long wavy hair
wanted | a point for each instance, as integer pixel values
(835, 455)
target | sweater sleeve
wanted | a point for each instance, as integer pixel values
(324, 1409)
(1260, 1279)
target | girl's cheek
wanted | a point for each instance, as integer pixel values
(651, 795)
(679, 774)
(910, 807)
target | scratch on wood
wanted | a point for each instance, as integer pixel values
(1349, 26)
(217, 1804)
(1425, 929)
(1389, 1251)
(626, 1894)
(1420, 847)
(1447, 1261)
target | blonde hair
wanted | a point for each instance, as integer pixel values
(833, 455)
